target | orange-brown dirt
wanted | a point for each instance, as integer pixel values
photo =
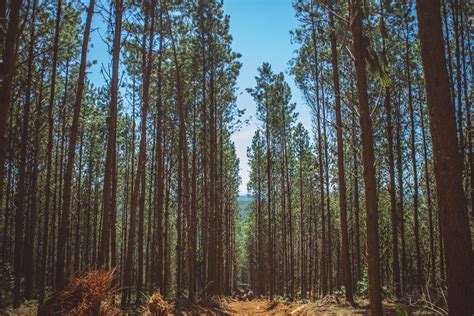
(325, 307)
(322, 307)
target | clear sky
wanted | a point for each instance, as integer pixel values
(261, 33)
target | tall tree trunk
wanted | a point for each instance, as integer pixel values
(419, 271)
(401, 203)
(341, 173)
(49, 158)
(31, 264)
(329, 253)
(7, 72)
(204, 149)
(373, 259)
(358, 265)
(428, 195)
(323, 261)
(112, 137)
(302, 231)
(139, 178)
(447, 161)
(77, 243)
(21, 212)
(391, 167)
(183, 179)
(64, 227)
(160, 163)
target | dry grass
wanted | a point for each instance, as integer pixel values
(217, 303)
(87, 294)
(157, 305)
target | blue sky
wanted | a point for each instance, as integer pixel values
(261, 33)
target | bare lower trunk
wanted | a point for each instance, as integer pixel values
(447, 161)
(64, 227)
(373, 259)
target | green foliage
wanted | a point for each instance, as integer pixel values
(401, 311)
(340, 291)
(362, 286)
(378, 67)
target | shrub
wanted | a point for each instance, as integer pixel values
(83, 295)
(157, 305)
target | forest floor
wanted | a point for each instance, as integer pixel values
(328, 306)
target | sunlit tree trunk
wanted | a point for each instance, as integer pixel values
(373, 259)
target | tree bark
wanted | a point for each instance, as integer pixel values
(49, 158)
(373, 259)
(64, 227)
(7, 72)
(112, 137)
(447, 161)
(428, 196)
(419, 271)
(21, 210)
(346, 261)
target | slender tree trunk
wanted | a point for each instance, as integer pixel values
(467, 101)
(393, 202)
(428, 196)
(346, 261)
(373, 259)
(447, 161)
(183, 179)
(270, 253)
(457, 56)
(160, 162)
(87, 241)
(205, 158)
(21, 211)
(193, 224)
(419, 271)
(7, 73)
(401, 212)
(147, 62)
(64, 227)
(358, 265)
(323, 261)
(260, 261)
(391, 166)
(30, 263)
(139, 189)
(329, 252)
(77, 243)
(302, 231)
(49, 158)
(112, 137)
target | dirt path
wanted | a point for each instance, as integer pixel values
(260, 307)
(265, 307)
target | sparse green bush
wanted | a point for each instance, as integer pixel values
(362, 287)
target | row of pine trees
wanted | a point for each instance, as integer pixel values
(137, 175)
(384, 180)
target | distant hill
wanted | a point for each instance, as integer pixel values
(244, 201)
